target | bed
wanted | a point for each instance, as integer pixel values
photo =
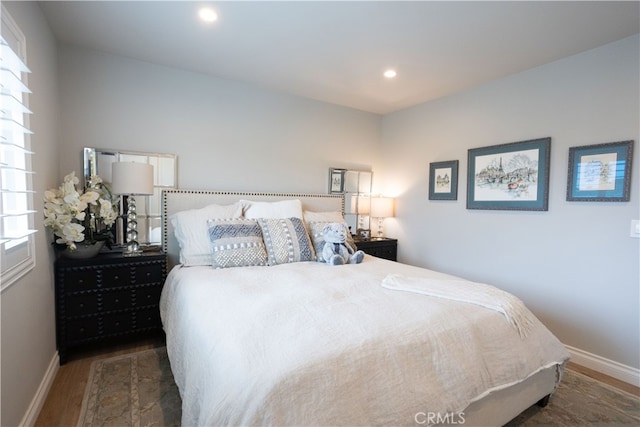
(281, 339)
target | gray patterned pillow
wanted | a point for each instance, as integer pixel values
(236, 243)
(286, 240)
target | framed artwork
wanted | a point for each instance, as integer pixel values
(443, 180)
(512, 176)
(363, 233)
(600, 173)
(336, 180)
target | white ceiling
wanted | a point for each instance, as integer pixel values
(337, 51)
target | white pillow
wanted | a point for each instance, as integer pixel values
(271, 210)
(192, 232)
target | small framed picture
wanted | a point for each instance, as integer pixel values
(513, 176)
(336, 180)
(600, 172)
(364, 233)
(443, 180)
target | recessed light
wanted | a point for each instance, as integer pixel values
(390, 74)
(207, 14)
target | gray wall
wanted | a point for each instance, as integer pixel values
(575, 265)
(28, 322)
(227, 135)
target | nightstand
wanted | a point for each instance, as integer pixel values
(108, 298)
(381, 247)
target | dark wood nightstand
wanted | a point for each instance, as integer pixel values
(382, 247)
(107, 298)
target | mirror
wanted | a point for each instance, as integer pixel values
(356, 187)
(98, 162)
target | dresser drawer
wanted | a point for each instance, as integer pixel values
(116, 277)
(387, 252)
(78, 305)
(148, 274)
(80, 280)
(117, 300)
(148, 296)
(148, 318)
(117, 323)
(82, 329)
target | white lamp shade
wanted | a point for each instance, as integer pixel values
(132, 178)
(382, 207)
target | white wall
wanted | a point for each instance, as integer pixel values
(227, 135)
(28, 314)
(575, 265)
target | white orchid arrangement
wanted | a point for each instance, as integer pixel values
(76, 216)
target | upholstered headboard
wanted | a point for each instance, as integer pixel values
(179, 200)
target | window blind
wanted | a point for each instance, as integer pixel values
(16, 183)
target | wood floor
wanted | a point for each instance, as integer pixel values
(64, 401)
(629, 388)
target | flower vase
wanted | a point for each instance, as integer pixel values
(84, 250)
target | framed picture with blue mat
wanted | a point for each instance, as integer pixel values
(513, 176)
(600, 172)
(443, 180)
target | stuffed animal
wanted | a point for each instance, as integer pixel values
(336, 249)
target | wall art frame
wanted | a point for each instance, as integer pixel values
(336, 180)
(443, 180)
(600, 172)
(512, 176)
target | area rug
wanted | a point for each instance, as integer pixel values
(583, 401)
(137, 389)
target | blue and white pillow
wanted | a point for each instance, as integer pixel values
(286, 240)
(236, 243)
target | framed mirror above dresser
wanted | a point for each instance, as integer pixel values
(98, 161)
(356, 186)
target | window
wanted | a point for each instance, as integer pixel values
(16, 184)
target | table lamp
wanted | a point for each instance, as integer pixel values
(132, 179)
(381, 208)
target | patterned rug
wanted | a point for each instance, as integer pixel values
(137, 389)
(583, 401)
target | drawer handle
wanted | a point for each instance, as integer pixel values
(81, 305)
(80, 281)
(81, 329)
(148, 274)
(116, 277)
(117, 300)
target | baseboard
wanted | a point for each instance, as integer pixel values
(605, 366)
(39, 398)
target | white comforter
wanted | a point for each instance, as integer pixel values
(311, 344)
